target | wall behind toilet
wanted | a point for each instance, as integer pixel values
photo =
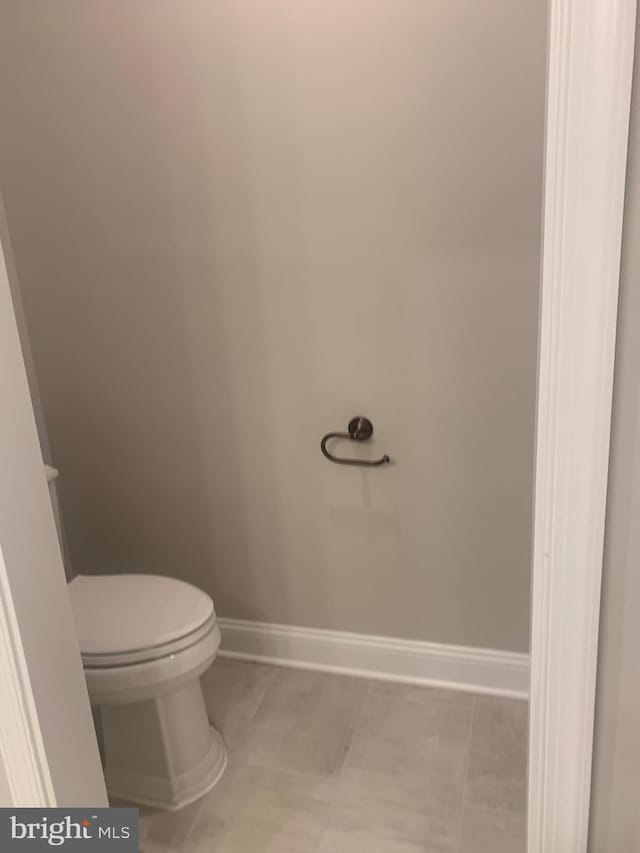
(235, 226)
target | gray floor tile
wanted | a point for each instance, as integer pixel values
(415, 809)
(148, 846)
(217, 811)
(168, 829)
(330, 764)
(410, 692)
(265, 810)
(496, 779)
(497, 782)
(348, 840)
(420, 793)
(144, 820)
(409, 730)
(490, 832)
(305, 723)
(500, 726)
(233, 691)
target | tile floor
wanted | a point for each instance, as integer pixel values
(329, 764)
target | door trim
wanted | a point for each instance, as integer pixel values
(22, 751)
(589, 71)
(48, 747)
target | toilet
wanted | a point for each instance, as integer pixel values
(145, 640)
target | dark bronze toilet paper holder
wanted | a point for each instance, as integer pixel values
(359, 429)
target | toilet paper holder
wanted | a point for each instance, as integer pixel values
(359, 429)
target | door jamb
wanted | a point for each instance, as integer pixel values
(589, 72)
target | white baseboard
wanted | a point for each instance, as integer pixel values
(386, 658)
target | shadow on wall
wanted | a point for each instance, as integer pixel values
(151, 338)
(179, 432)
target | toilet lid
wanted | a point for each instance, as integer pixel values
(124, 613)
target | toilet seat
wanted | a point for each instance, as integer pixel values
(106, 659)
(123, 620)
(136, 681)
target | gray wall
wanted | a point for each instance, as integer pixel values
(21, 322)
(236, 225)
(615, 812)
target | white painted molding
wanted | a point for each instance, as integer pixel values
(21, 746)
(591, 45)
(47, 737)
(385, 658)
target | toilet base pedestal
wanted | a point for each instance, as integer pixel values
(162, 752)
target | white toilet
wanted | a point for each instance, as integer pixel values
(145, 641)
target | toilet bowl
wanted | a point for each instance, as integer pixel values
(145, 641)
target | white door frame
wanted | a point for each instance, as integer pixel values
(591, 45)
(48, 750)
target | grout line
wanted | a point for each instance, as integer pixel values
(320, 777)
(244, 759)
(272, 681)
(336, 779)
(347, 754)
